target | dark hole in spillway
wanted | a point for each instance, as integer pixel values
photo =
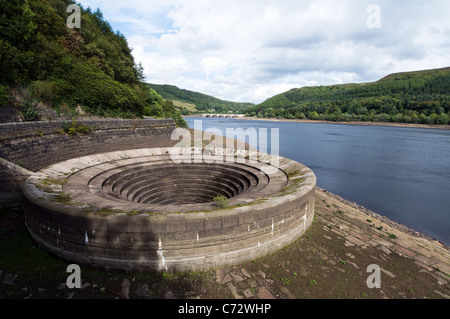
(180, 183)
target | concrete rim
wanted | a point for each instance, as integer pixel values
(253, 225)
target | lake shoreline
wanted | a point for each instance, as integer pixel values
(329, 261)
(400, 227)
(359, 123)
(410, 229)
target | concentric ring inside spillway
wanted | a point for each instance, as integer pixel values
(168, 183)
(155, 183)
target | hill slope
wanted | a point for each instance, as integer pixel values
(410, 97)
(202, 102)
(43, 60)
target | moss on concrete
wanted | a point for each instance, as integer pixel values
(323, 264)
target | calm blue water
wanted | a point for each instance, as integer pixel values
(400, 173)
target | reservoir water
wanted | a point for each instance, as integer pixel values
(400, 173)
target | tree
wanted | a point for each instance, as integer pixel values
(358, 109)
(17, 31)
(140, 72)
(313, 115)
(16, 23)
(398, 118)
(154, 110)
(393, 96)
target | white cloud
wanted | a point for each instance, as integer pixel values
(251, 50)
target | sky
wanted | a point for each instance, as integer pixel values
(251, 50)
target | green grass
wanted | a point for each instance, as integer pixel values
(285, 281)
(392, 236)
(53, 181)
(292, 174)
(192, 108)
(40, 275)
(62, 198)
(34, 267)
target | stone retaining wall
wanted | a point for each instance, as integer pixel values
(35, 145)
(171, 242)
(71, 212)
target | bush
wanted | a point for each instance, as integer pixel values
(44, 91)
(154, 110)
(165, 109)
(88, 86)
(4, 96)
(442, 119)
(180, 121)
(221, 201)
(29, 112)
(74, 128)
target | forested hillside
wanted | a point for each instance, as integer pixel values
(203, 102)
(412, 97)
(91, 67)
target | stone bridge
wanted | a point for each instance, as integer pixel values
(225, 116)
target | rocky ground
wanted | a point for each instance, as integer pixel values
(329, 262)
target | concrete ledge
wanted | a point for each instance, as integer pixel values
(36, 145)
(74, 214)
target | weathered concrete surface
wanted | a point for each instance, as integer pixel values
(331, 261)
(80, 213)
(388, 236)
(320, 265)
(35, 145)
(12, 178)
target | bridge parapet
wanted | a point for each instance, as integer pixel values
(227, 116)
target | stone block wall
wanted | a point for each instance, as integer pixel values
(171, 242)
(35, 145)
(140, 239)
(95, 228)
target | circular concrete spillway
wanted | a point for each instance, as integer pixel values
(141, 210)
(166, 183)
